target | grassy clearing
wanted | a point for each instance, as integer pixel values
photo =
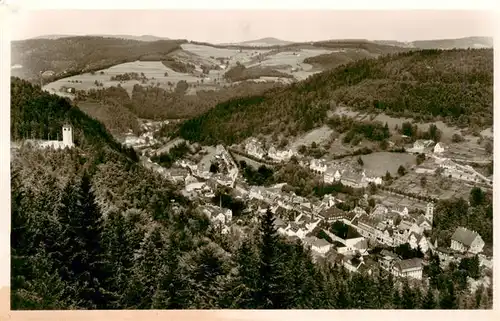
(381, 162)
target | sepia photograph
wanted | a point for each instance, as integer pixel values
(218, 159)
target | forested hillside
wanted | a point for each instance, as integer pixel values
(75, 55)
(455, 86)
(158, 103)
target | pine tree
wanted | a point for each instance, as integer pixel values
(206, 277)
(397, 300)
(119, 250)
(385, 289)
(242, 293)
(80, 251)
(429, 301)
(448, 298)
(146, 271)
(408, 297)
(269, 294)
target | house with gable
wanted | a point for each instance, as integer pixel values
(438, 149)
(280, 225)
(423, 223)
(354, 245)
(318, 165)
(402, 232)
(352, 263)
(280, 155)
(411, 268)
(217, 214)
(421, 146)
(318, 245)
(386, 259)
(353, 179)
(331, 175)
(418, 240)
(371, 179)
(254, 148)
(464, 240)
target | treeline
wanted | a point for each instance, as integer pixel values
(240, 73)
(178, 66)
(412, 131)
(157, 103)
(453, 85)
(357, 130)
(129, 76)
(335, 59)
(263, 176)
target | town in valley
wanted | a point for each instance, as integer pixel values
(325, 164)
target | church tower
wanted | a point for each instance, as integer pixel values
(429, 213)
(67, 136)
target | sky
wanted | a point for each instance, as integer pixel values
(223, 26)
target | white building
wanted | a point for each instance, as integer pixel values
(280, 155)
(375, 180)
(331, 175)
(254, 148)
(318, 165)
(438, 149)
(411, 268)
(418, 240)
(217, 214)
(318, 245)
(464, 240)
(421, 145)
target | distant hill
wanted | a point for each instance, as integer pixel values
(455, 85)
(263, 42)
(461, 43)
(75, 55)
(127, 37)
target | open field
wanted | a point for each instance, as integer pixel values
(318, 135)
(381, 162)
(397, 201)
(198, 55)
(436, 186)
(286, 61)
(154, 71)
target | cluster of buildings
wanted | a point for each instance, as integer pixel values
(299, 218)
(449, 167)
(342, 172)
(256, 149)
(393, 227)
(218, 216)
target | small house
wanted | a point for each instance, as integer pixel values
(464, 240)
(411, 268)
